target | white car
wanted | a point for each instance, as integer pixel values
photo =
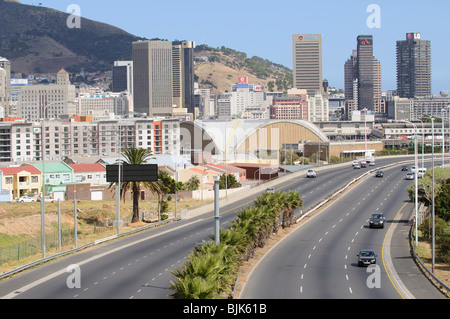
(422, 172)
(26, 199)
(311, 173)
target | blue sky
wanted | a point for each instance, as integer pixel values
(264, 28)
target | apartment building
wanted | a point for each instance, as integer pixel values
(54, 140)
(413, 66)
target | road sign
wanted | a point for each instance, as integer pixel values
(132, 173)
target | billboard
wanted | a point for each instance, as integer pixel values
(243, 80)
(132, 173)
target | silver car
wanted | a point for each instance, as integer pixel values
(311, 173)
(409, 176)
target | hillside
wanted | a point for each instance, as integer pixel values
(37, 40)
(225, 65)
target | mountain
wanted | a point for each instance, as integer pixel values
(37, 39)
(219, 68)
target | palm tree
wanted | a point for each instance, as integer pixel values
(137, 156)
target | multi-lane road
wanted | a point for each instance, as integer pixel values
(317, 261)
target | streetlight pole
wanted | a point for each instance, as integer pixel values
(416, 182)
(216, 211)
(433, 208)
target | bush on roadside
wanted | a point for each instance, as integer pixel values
(211, 271)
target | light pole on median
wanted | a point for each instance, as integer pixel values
(416, 182)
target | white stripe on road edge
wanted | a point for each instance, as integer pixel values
(61, 272)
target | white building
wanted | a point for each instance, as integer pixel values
(103, 103)
(318, 108)
(47, 101)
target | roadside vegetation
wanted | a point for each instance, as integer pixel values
(211, 270)
(442, 209)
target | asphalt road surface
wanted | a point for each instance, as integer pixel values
(140, 266)
(319, 260)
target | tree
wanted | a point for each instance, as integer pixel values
(136, 156)
(168, 186)
(228, 181)
(192, 184)
(442, 203)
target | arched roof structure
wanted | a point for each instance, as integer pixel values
(247, 136)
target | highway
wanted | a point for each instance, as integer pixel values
(139, 266)
(319, 259)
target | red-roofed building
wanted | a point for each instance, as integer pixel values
(21, 180)
(94, 174)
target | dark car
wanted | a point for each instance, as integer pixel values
(404, 168)
(366, 257)
(379, 174)
(377, 220)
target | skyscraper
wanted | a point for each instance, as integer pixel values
(413, 66)
(307, 51)
(363, 79)
(183, 75)
(365, 72)
(122, 76)
(153, 78)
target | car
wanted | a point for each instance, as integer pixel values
(26, 199)
(377, 220)
(404, 168)
(357, 166)
(372, 163)
(270, 190)
(355, 163)
(409, 176)
(421, 172)
(379, 174)
(366, 257)
(311, 173)
(363, 164)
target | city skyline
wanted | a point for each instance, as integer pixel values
(247, 27)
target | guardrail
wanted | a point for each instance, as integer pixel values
(417, 259)
(77, 249)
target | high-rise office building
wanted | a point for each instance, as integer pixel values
(183, 75)
(122, 76)
(153, 77)
(365, 72)
(413, 66)
(307, 51)
(362, 73)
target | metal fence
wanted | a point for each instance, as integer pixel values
(33, 246)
